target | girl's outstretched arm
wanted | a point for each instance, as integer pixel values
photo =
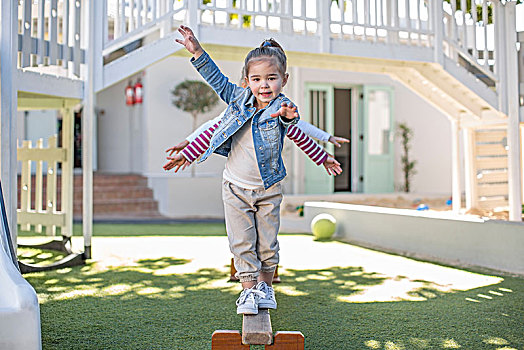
(199, 145)
(177, 161)
(178, 147)
(191, 151)
(337, 140)
(190, 42)
(332, 166)
(206, 67)
(288, 113)
(319, 134)
(312, 149)
(191, 137)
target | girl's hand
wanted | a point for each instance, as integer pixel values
(178, 148)
(336, 140)
(332, 166)
(288, 111)
(190, 42)
(177, 161)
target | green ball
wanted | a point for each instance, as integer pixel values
(323, 226)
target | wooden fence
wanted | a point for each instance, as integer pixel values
(48, 158)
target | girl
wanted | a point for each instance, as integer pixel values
(251, 135)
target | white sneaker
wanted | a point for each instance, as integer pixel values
(268, 301)
(247, 302)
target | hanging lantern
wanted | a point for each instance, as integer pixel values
(130, 94)
(139, 92)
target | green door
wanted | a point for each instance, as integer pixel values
(378, 135)
(319, 112)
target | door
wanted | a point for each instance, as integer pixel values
(319, 103)
(342, 128)
(378, 135)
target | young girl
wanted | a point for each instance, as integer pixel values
(251, 135)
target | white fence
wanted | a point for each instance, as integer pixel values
(46, 214)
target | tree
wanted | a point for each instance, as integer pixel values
(194, 97)
(408, 166)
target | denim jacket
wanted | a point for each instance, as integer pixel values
(268, 132)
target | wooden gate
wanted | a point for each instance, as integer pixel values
(50, 214)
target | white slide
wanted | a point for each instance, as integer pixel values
(19, 310)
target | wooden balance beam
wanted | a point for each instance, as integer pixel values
(256, 330)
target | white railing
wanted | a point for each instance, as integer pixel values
(126, 21)
(471, 33)
(378, 20)
(50, 34)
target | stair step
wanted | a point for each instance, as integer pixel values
(118, 192)
(120, 206)
(113, 180)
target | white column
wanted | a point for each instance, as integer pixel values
(192, 16)
(8, 109)
(297, 98)
(499, 16)
(470, 168)
(88, 114)
(456, 193)
(68, 121)
(514, 175)
(438, 27)
(324, 16)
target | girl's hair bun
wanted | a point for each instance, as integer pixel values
(271, 43)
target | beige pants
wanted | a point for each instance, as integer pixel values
(252, 223)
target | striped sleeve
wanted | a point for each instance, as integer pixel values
(312, 149)
(199, 145)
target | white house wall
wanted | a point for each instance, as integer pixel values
(163, 126)
(113, 130)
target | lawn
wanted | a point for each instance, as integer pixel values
(339, 296)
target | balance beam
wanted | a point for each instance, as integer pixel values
(227, 340)
(256, 330)
(287, 341)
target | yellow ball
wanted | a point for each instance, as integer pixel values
(323, 226)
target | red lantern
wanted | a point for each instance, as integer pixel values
(139, 92)
(130, 95)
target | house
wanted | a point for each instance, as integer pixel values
(357, 67)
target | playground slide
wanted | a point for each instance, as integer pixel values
(19, 310)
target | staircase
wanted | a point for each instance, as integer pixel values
(118, 196)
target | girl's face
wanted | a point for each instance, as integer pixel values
(265, 81)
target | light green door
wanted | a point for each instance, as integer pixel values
(319, 112)
(378, 135)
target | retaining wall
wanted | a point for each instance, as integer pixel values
(438, 236)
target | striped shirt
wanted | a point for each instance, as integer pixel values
(312, 149)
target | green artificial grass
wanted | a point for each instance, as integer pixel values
(137, 306)
(145, 229)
